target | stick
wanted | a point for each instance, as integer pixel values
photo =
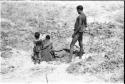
(46, 78)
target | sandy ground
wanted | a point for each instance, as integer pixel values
(18, 67)
(25, 72)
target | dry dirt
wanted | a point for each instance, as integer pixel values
(103, 61)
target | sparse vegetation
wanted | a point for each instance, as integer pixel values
(104, 34)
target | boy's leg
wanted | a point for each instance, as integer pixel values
(34, 55)
(34, 59)
(74, 40)
(81, 44)
(39, 57)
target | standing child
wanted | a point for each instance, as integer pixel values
(79, 29)
(37, 48)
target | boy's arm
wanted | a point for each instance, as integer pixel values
(85, 21)
(49, 45)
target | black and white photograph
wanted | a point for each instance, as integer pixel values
(61, 42)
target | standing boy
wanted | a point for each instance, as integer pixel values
(79, 28)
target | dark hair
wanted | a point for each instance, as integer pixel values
(47, 36)
(80, 7)
(37, 35)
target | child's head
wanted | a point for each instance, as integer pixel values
(48, 37)
(37, 35)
